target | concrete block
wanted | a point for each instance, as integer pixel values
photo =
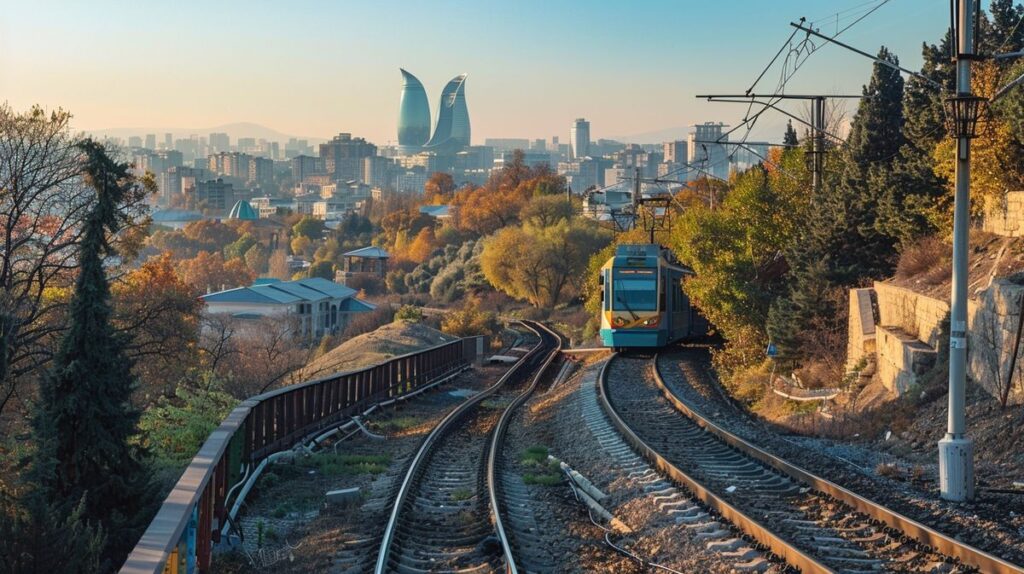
(344, 497)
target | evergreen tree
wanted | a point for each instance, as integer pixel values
(843, 246)
(44, 535)
(85, 420)
(789, 139)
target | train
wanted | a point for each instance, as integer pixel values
(643, 300)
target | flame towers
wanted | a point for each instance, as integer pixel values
(451, 130)
(413, 115)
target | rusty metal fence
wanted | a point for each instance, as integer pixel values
(180, 538)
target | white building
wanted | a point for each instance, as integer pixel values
(579, 138)
(319, 305)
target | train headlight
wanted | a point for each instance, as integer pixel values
(651, 321)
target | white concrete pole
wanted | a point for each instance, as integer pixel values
(956, 451)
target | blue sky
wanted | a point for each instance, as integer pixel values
(318, 68)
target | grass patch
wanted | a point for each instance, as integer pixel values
(534, 455)
(542, 471)
(346, 464)
(461, 494)
(395, 424)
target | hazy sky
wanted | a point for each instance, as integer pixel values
(318, 68)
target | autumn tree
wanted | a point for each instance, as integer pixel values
(160, 311)
(42, 207)
(541, 264)
(440, 186)
(209, 272)
(309, 227)
(421, 247)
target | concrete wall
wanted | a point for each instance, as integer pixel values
(913, 313)
(1006, 216)
(861, 341)
(993, 330)
(902, 335)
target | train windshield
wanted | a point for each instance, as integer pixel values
(635, 290)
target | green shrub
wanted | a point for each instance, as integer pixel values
(409, 313)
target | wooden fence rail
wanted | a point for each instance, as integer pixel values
(180, 538)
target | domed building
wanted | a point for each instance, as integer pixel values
(243, 211)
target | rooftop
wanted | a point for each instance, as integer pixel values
(273, 291)
(371, 252)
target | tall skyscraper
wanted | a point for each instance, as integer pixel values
(151, 141)
(413, 115)
(702, 152)
(168, 141)
(579, 138)
(451, 130)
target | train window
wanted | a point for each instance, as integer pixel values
(635, 292)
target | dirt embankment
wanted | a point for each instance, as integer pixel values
(391, 340)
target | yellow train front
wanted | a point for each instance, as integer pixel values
(643, 301)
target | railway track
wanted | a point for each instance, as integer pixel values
(441, 520)
(795, 515)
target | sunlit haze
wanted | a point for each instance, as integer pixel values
(313, 69)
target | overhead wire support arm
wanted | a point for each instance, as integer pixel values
(771, 105)
(876, 59)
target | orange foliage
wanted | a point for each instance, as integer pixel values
(209, 271)
(421, 247)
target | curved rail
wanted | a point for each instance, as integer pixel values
(432, 439)
(794, 556)
(498, 439)
(924, 534)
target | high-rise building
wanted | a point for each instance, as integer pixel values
(168, 140)
(220, 142)
(151, 141)
(705, 155)
(343, 156)
(579, 138)
(377, 171)
(134, 142)
(213, 195)
(306, 165)
(451, 130)
(674, 151)
(413, 115)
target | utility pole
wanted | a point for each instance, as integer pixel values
(817, 123)
(818, 130)
(956, 451)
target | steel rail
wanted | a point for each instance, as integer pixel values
(764, 535)
(432, 439)
(926, 535)
(497, 441)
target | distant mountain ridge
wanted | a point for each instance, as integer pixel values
(234, 130)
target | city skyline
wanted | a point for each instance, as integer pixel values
(532, 72)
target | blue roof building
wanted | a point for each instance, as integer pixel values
(318, 305)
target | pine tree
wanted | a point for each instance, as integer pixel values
(789, 139)
(85, 420)
(40, 534)
(842, 246)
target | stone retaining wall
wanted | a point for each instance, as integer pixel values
(1006, 216)
(901, 330)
